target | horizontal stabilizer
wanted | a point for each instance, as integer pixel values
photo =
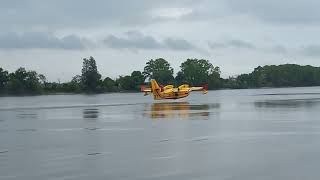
(204, 88)
(145, 89)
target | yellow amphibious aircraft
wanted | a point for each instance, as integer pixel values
(170, 92)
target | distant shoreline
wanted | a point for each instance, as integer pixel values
(194, 72)
(133, 92)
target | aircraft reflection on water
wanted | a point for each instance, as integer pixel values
(288, 103)
(182, 110)
(90, 113)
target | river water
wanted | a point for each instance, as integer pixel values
(226, 134)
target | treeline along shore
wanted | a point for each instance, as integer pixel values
(192, 71)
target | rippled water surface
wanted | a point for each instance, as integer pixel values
(226, 134)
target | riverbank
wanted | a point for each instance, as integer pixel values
(131, 92)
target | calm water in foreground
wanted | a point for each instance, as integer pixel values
(227, 134)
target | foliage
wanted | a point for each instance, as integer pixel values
(286, 75)
(138, 79)
(160, 70)
(193, 71)
(24, 82)
(109, 85)
(132, 82)
(199, 72)
(75, 84)
(90, 76)
(125, 83)
(4, 77)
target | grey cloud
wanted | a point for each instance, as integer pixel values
(81, 13)
(311, 50)
(39, 40)
(178, 44)
(277, 49)
(215, 45)
(28, 14)
(241, 44)
(133, 40)
(232, 44)
(136, 40)
(285, 11)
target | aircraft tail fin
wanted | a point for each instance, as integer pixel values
(155, 89)
(205, 89)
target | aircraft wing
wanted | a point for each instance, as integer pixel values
(196, 88)
(145, 89)
(204, 88)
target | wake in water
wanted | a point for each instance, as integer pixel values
(285, 94)
(66, 106)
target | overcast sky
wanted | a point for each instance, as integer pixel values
(52, 37)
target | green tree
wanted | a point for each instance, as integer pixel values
(109, 85)
(243, 81)
(43, 81)
(90, 76)
(284, 75)
(215, 81)
(4, 77)
(126, 83)
(138, 79)
(159, 70)
(199, 72)
(24, 82)
(52, 87)
(230, 83)
(259, 77)
(75, 84)
(179, 79)
(33, 84)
